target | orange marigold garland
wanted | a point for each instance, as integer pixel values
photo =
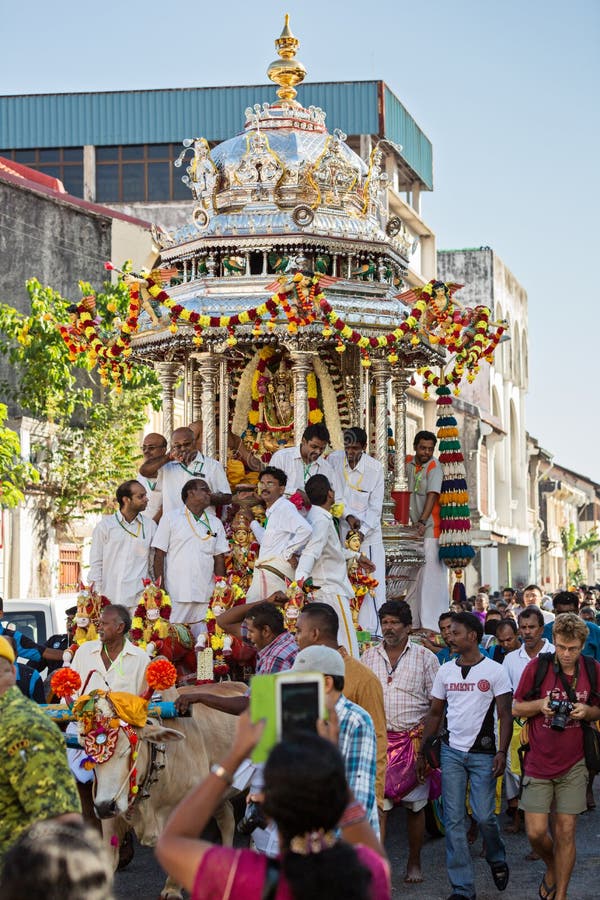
(64, 683)
(160, 675)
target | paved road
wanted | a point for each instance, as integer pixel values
(142, 880)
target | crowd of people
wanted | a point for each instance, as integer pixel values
(459, 705)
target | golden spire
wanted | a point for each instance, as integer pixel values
(287, 71)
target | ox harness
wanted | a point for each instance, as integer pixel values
(100, 734)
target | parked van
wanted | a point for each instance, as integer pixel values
(41, 618)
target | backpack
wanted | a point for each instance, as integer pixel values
(591, 735)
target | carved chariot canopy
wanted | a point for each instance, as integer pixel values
(285, 174)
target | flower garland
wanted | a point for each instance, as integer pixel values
(463, 331)
(314, 413)
(385, 341)
(201, 321)
(477, 343)
(455, 514)
(105, 353)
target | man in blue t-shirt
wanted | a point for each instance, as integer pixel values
(445, 654)
(568, 602)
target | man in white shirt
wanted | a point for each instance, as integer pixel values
(532, 596)
(281, 539)
(324, 560)
(120, 551)
(470, 689)
(300, 463)
(531, 629)
(362, 485)
(190, 546)
(174, 468)
(111, 661)
(153, 446)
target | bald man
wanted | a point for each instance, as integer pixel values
(154, 445)
(181, 463)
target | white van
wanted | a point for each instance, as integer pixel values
(39, 619)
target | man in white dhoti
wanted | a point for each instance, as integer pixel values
(112, 662)
(362, 486)
(428, 597)
(281, 538)
(301, 463)
(324, 560)
(190, 546)
(182, 462)
(120, 551)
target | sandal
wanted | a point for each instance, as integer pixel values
(500, 874)
(550, 890)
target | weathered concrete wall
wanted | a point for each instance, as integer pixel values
(51, 241)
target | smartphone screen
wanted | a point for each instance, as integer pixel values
(299, 707)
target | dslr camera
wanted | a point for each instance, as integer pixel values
(562, 710)
(254, 818)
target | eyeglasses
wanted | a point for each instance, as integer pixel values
(153, 447)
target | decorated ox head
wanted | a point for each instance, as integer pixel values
(150, 622)
(296, 592)
(226, 593)
(89, 606)
(117, 747)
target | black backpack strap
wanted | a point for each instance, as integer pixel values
(592, 674)
(271, 880)
(545, 660)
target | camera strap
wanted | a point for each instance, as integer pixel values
(271, 880)
(569, 688)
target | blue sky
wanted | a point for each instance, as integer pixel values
(507, 92)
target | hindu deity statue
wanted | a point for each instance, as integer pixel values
(240, 560)
(362, 583)
(279, 398)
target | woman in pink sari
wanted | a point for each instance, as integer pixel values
(307, 796)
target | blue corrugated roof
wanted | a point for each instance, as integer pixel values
(401, 127)
(169, 116)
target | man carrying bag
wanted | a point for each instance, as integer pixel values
(558, 694)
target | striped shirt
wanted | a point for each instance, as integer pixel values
(407, 686)
(278, 656)
(358, 746)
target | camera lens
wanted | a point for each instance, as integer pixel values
(254, 818)
(559, 722)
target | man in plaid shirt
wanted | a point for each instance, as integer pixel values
(357, 740)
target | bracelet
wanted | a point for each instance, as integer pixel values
(221, 773)
(501, 751)
(421, 522)
(353, 814)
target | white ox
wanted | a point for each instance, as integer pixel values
(163, 776)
